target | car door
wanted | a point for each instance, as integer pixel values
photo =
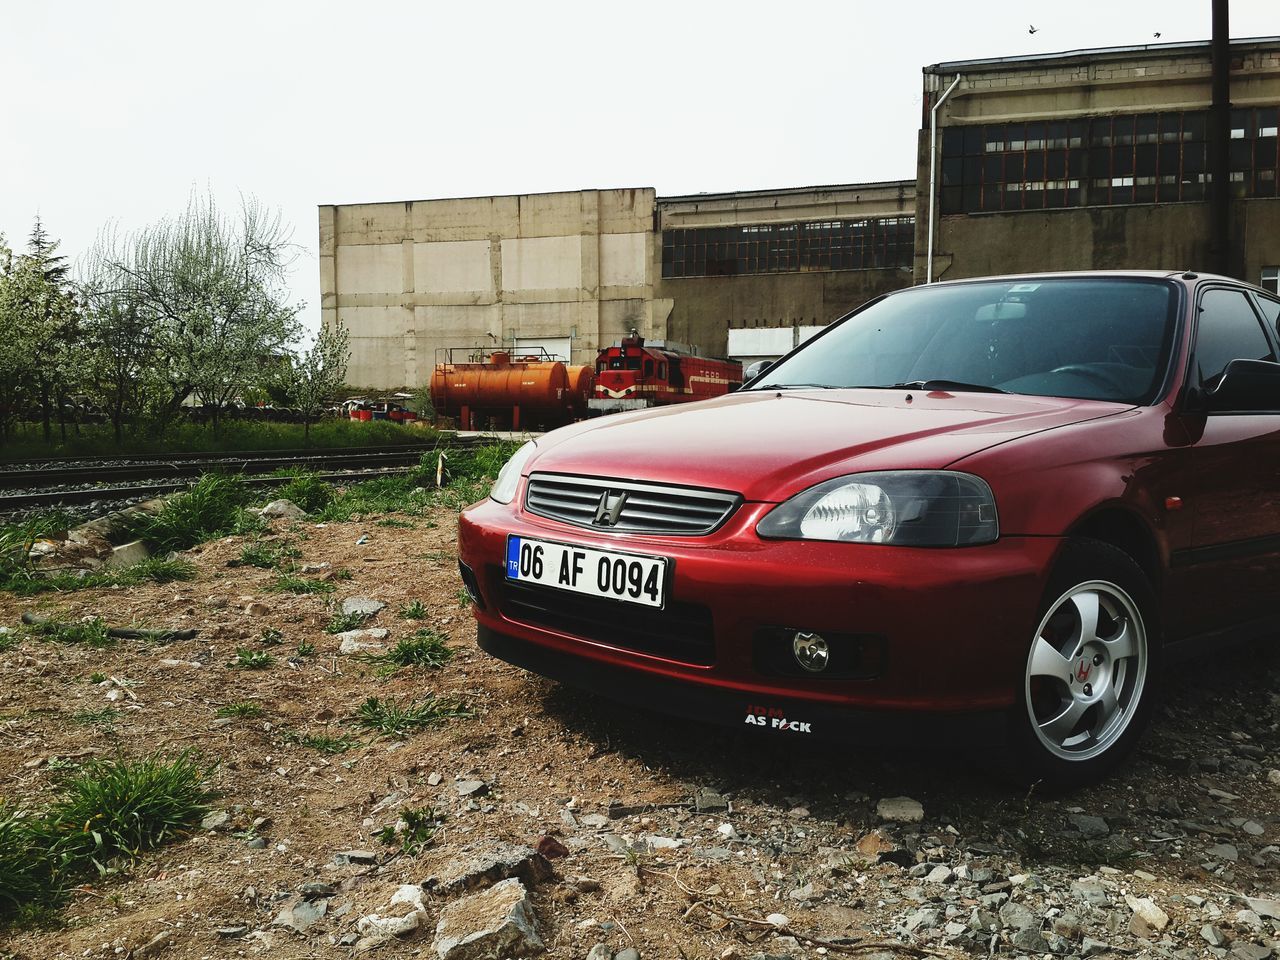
(1231, 476)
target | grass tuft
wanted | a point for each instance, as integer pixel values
(306, 491)
(306, 648)
(209, 508)
(414, 831)
(396, 720)
(90, 633)
(251, 660)
(290, 583)
(414, 611)
(240, 710)
(342, 622)
(426, 648)
(323, 743)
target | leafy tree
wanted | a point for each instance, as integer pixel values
(214, 285)
(311, 377)
(120, 341)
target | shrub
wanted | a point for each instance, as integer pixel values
(307, 491)
(209, 508)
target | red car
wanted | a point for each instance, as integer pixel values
(1018, 494)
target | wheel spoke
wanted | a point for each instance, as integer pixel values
(1108, 708)
(1086, 605)
(1046, 661)
(1059, 728)
(1122, 646)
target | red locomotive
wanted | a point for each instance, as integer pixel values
(631, 375)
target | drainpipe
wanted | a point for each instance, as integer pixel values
(1220, 253)
(933, 172)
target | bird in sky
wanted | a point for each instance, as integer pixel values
(1031, 28)
(1156, 34)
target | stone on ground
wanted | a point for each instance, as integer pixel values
(491, 925)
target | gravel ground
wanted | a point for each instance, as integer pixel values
(655, 836)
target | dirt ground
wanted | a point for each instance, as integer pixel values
(1192, 823)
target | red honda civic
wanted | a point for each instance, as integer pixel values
(1019, 495)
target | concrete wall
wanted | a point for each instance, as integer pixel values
(1153, 236)
(704, 309)
(412, 279)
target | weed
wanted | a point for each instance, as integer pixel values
(464, 598)
(104, 718)
(342, 573)
(96, 678)
(271, 637)
(306, 648)
(207, 509)
(331, 746)
(414, 611)
(426, 648)
(91, 633)
(251, 659)
(260, 555)
(414, 831)
(26, 868)
(289, 583)
(153, 569)
(393, 522)
(119, 808)
(7, 639)
(307, 491)
(395, 720)
(241, 710)
(342, 622)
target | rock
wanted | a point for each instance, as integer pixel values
(1248, 951)
(301, 914)
(1253, 828)
(257, 609)
(1273, 777)
(361, 606)
(600, 951)
(631, 953)
(316, 889)
(1030, 939)
(284, 509)
(708, 801)
(1264, 908)
(376, 929)
(1146, 909)
(215, 820)
(585, 885)
(778, 919)
(352, 642)
(344, 857)
(879, 847)
(231, 933)
(1018, 916)
(595, 821)
(1249, 918)
(922, 919)
(1093, 948)
(728, 831)
(1090, 890)
(154, 945)
(471, 788)
(551, 848)
(1213, 936)
(126, 555)
(940, 874)
(496, 923)
(500, 862)
(314, 568)
(900, 810)
(1089, 826)
(1223, 851)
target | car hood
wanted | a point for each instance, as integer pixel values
(768, 445)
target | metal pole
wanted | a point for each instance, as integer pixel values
(933, 173)
(1220, 258)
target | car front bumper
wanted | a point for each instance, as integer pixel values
(941, 630)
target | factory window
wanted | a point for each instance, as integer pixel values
(869, 244)
(1127, 158)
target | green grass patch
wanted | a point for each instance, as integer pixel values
(290, 583)
(342, 622)
(393, 522)
(247, 659)
(151, 570)
(104, 718)
(424, 649)
(265, 556)
(413, 832)
(240, 710)
(306, 648)
(396, 720)
(89, 633)
(305, 490)
(211, 507)
(105, 816)
(271, 637)
(322, 743)
(96, 677)
(27, 442)
(414, 611)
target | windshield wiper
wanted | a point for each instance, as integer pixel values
(948, 385)
(794, 386)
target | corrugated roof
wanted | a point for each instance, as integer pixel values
(1187, 48)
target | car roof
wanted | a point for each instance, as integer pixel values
(1189, 276)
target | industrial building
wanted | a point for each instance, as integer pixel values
(1088, 159)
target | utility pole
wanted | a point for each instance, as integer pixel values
(1220, 253)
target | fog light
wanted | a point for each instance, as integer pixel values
(811, 651)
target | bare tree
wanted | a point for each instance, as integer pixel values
(310, 377)
(214, 285)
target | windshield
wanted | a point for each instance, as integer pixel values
(1089, 338)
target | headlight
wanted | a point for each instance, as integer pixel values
(504, 488)
(912, 508)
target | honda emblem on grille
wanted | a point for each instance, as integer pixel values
(609, 509)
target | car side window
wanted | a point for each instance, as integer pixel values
(1270, 312)
(1228, 330)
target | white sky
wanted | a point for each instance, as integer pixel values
(114, 111)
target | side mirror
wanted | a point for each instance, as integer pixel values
(1246, 386)
(755, 369)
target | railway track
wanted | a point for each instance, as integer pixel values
(85, 481)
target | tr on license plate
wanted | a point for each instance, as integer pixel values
(597, 573)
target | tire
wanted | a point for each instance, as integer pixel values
(1089, 681)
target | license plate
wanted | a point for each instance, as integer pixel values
(596, 573)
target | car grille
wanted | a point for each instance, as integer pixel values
(647, 508)
(681, 631)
